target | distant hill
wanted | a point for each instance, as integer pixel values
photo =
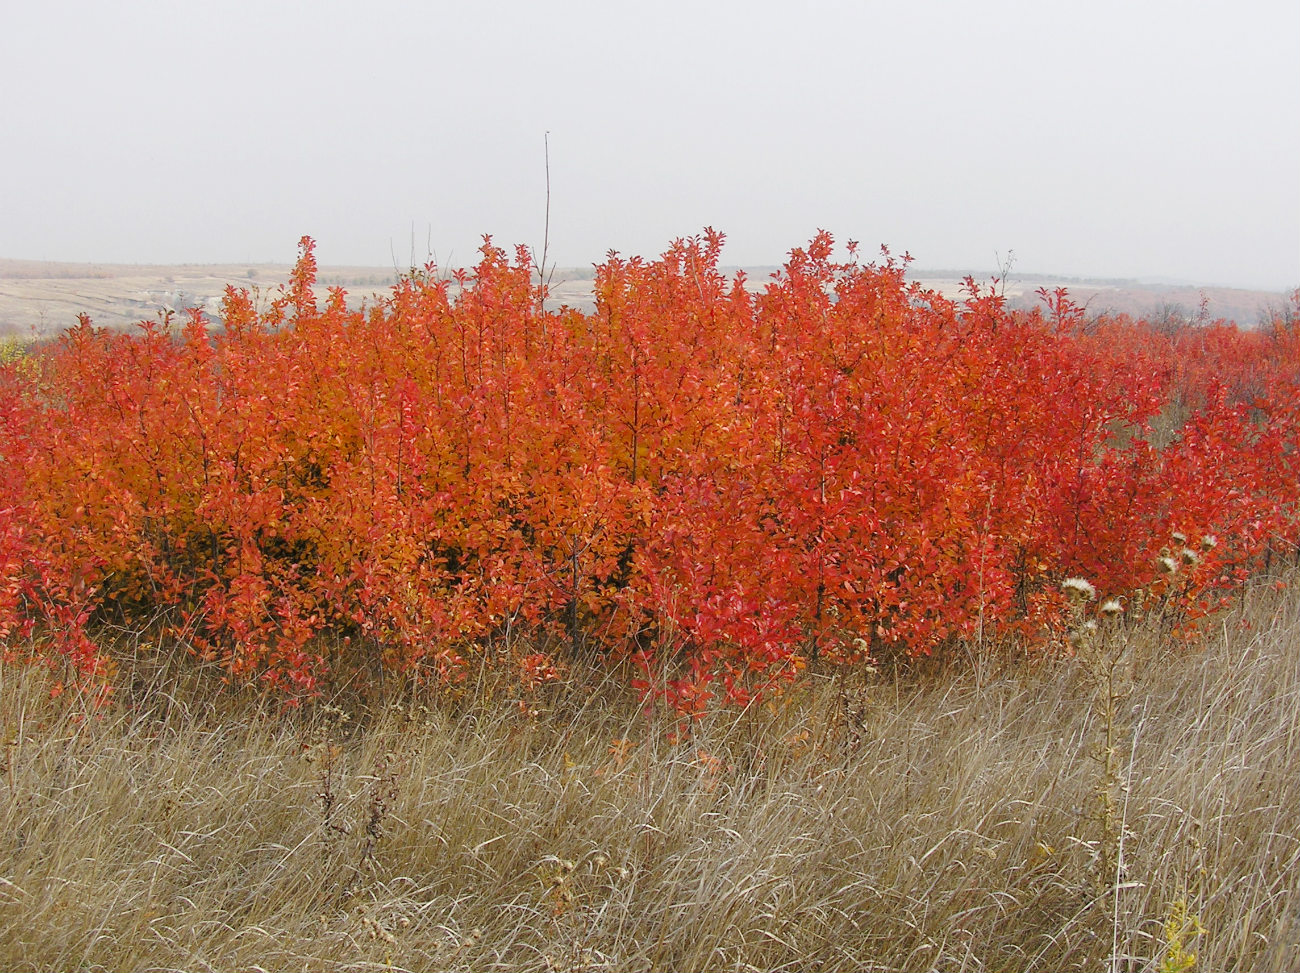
(41, 298)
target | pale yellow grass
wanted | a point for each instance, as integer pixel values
(937, 823)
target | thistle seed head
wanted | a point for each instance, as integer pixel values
(1078, 589)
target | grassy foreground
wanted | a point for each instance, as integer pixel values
(950, 822)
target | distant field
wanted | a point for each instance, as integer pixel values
(43, 297)
(47, 297)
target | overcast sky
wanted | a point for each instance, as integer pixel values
(1133, 139)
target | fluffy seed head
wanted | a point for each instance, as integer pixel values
(1078, 589)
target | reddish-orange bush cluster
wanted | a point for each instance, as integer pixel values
(716, 481)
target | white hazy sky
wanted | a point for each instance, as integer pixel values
(1092, 138)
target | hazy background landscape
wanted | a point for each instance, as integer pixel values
(40, 298)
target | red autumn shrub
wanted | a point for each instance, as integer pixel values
(719, 482)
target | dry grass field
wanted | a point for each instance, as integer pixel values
(1135, 807)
